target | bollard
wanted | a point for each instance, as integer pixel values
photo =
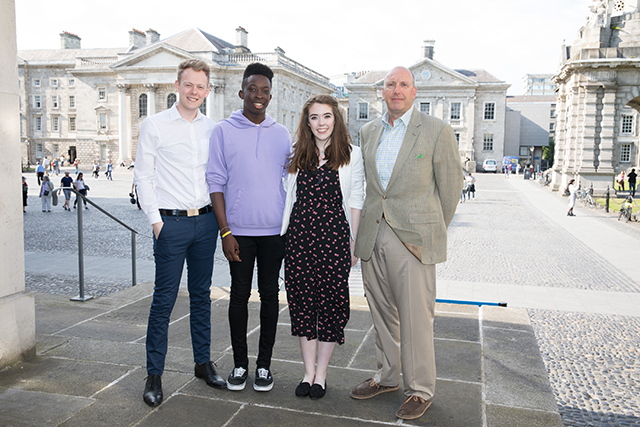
(606, 200)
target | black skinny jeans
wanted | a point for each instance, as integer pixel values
(269, 252)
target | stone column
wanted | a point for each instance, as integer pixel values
(17, 309)
(218, 100)
(591, 130)
(122, 123)
(607, 139)
(151, 100)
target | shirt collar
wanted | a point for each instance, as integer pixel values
(405, 119)
(174, 114)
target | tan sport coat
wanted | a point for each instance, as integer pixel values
(423, 191)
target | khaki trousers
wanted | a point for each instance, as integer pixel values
(401, 292)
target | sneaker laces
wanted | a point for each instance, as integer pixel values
(239, 372)
(263, 373)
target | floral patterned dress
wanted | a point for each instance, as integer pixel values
(318, 258)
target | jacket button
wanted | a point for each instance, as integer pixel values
(384, 197)
(377, 221)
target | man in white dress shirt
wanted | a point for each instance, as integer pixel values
(173, 151)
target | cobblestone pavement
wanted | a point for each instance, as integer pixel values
(593, 360)
(500, 237)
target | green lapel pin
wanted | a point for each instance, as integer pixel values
(419, 156)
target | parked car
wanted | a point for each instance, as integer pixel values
(490, 165)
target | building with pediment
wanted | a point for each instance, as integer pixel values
(598, 97)
(472, 101)
(89, 103)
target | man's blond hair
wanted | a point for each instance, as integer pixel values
(195, 65)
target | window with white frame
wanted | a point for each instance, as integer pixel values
(55, 123)
(553, 111)
(71, 82)
(552, 127)
(489, 110)
(524, 151)
(625, 153)
(72, 123)
(203, 107)
(102, 94)
(425, 107)
(37, 123)
(456, 108)
(54, 101)
(36, 82)
(627, 124)
(53, 82)
(56, 151)
(142, 105)
(487, 144)
(171, 99)
(102, 121)
(457, 134)
(39, 151)
(36, 101)
(363, 111)
(72, 101)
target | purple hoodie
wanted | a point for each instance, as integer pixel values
(247, 163)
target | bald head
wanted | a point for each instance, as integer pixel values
(398, 92)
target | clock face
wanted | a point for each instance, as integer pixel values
(425, 75)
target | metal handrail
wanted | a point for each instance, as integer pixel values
(81, 296)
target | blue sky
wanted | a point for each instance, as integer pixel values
(505, 37)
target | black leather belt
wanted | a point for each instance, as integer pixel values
(188, 212)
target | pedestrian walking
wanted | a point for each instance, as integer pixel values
(66, 182)
(76, 162)
(25, 194)
(82, 188)
(470, 182)
(45, 194)
(572, 188)
(620, 178)
(632, 182)
(96, 170)
(40, 173)
(109, 171)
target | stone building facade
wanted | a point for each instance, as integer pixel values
(599, 97)
(472, 101)
(89, 103)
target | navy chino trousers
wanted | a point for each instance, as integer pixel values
(182, 238)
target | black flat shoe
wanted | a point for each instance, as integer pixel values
(303, 389)
(317, 391)
(153, 390)
(207, 371)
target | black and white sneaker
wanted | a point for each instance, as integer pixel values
(263, 380)
(237, 379)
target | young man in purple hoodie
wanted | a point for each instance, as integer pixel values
(247, 160)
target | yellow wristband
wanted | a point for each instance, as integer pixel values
(225, 234)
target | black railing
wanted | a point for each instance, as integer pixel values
(81, 296)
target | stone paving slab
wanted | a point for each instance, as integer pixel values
(91, 360)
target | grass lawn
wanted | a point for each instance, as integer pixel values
(615, 203)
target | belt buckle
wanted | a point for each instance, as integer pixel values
(193, 212)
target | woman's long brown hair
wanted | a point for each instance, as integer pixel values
(305, 154)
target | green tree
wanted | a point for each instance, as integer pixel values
(548, 151)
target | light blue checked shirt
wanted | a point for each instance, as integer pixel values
(389, 146)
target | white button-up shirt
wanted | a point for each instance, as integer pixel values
(171, 162)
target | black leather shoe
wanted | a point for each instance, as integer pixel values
(207, 371)
(153, 390)
(303, 389)
(317, 392)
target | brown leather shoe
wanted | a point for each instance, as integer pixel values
(369, 389)
(412, 408)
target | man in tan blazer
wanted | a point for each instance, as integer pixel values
(414, 180)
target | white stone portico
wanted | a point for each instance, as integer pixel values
(89, 103)
(598, 97)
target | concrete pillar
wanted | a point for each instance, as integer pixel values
(17, 309)
(591, 131)
(122, 123)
